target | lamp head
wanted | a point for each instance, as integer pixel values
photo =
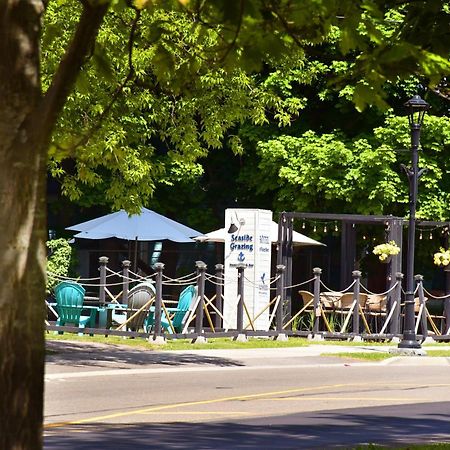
(416, 107)
(233, 228)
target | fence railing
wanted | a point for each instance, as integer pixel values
(352, 312)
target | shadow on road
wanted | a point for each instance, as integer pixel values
(95, 355)
(347, 428)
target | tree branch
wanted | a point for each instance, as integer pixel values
(236, 34)
(131, 71)
(64, 79)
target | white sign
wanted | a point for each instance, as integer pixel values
(247, 242)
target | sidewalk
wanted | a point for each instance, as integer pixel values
(63, 356)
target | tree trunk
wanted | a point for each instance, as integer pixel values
(26, 122)
(22, 193)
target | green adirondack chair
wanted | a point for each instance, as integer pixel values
(69, 305)
(178, 315)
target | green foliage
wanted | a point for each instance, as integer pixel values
(58, 261)
(331, 172)
(194, 73)
(175, 107)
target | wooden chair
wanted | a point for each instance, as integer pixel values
(346, 300)
(345, 303)
(307, 298)
(376, 309)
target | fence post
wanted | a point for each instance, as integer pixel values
(103, 261)
(317, 272)
(280, 293)
(240, 292)
(394, 326)
(201, 268)
(423, 317)
(125, 280)
(159, 267)
(356, 274)
(219, 290)
(447, 301)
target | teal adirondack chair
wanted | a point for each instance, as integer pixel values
(69, 305)
(178, 315)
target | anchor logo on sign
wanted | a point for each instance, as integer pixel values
(241, 257)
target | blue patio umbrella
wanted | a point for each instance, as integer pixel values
(146, 226)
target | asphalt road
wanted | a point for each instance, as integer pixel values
(117, 398)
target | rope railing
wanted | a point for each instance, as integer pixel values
(62, 277)
(210, 278)
(273, 280)
(299, 284)
(140, 277)
(79, 281)
(181, 280)
(347, 289)
(189, 275)
(381, 293)
(430, 295)
(185, 283)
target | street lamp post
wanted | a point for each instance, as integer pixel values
(417, 108)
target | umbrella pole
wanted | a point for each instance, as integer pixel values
(135, 254)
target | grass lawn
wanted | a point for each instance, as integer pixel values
(437, 446)
(438, 352)
(183, 344)
(361, 356)
(228, 343)
(379, 356)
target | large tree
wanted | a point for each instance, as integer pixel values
(250, 34)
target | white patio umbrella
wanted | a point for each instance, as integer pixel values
(146, 226)
(298, 239)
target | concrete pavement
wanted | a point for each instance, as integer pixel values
(119, 397)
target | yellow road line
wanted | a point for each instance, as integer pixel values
(376, 399)
(229, 399)
(223, 413)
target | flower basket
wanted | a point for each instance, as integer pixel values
(442, 258)
(386, 251)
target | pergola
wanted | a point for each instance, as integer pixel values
(393, 228)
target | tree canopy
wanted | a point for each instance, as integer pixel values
(166, 84)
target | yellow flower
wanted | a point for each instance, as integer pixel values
(442, 257)
(385, 250)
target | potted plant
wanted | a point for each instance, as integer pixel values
(386, 251)
(442, 258)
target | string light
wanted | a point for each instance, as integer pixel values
(364, 237)
(336, 227)
(303, 225)
(315, 228)
(325, 229)
(431, 235)
(420, 235)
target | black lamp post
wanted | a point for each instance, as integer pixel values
(417, 108)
